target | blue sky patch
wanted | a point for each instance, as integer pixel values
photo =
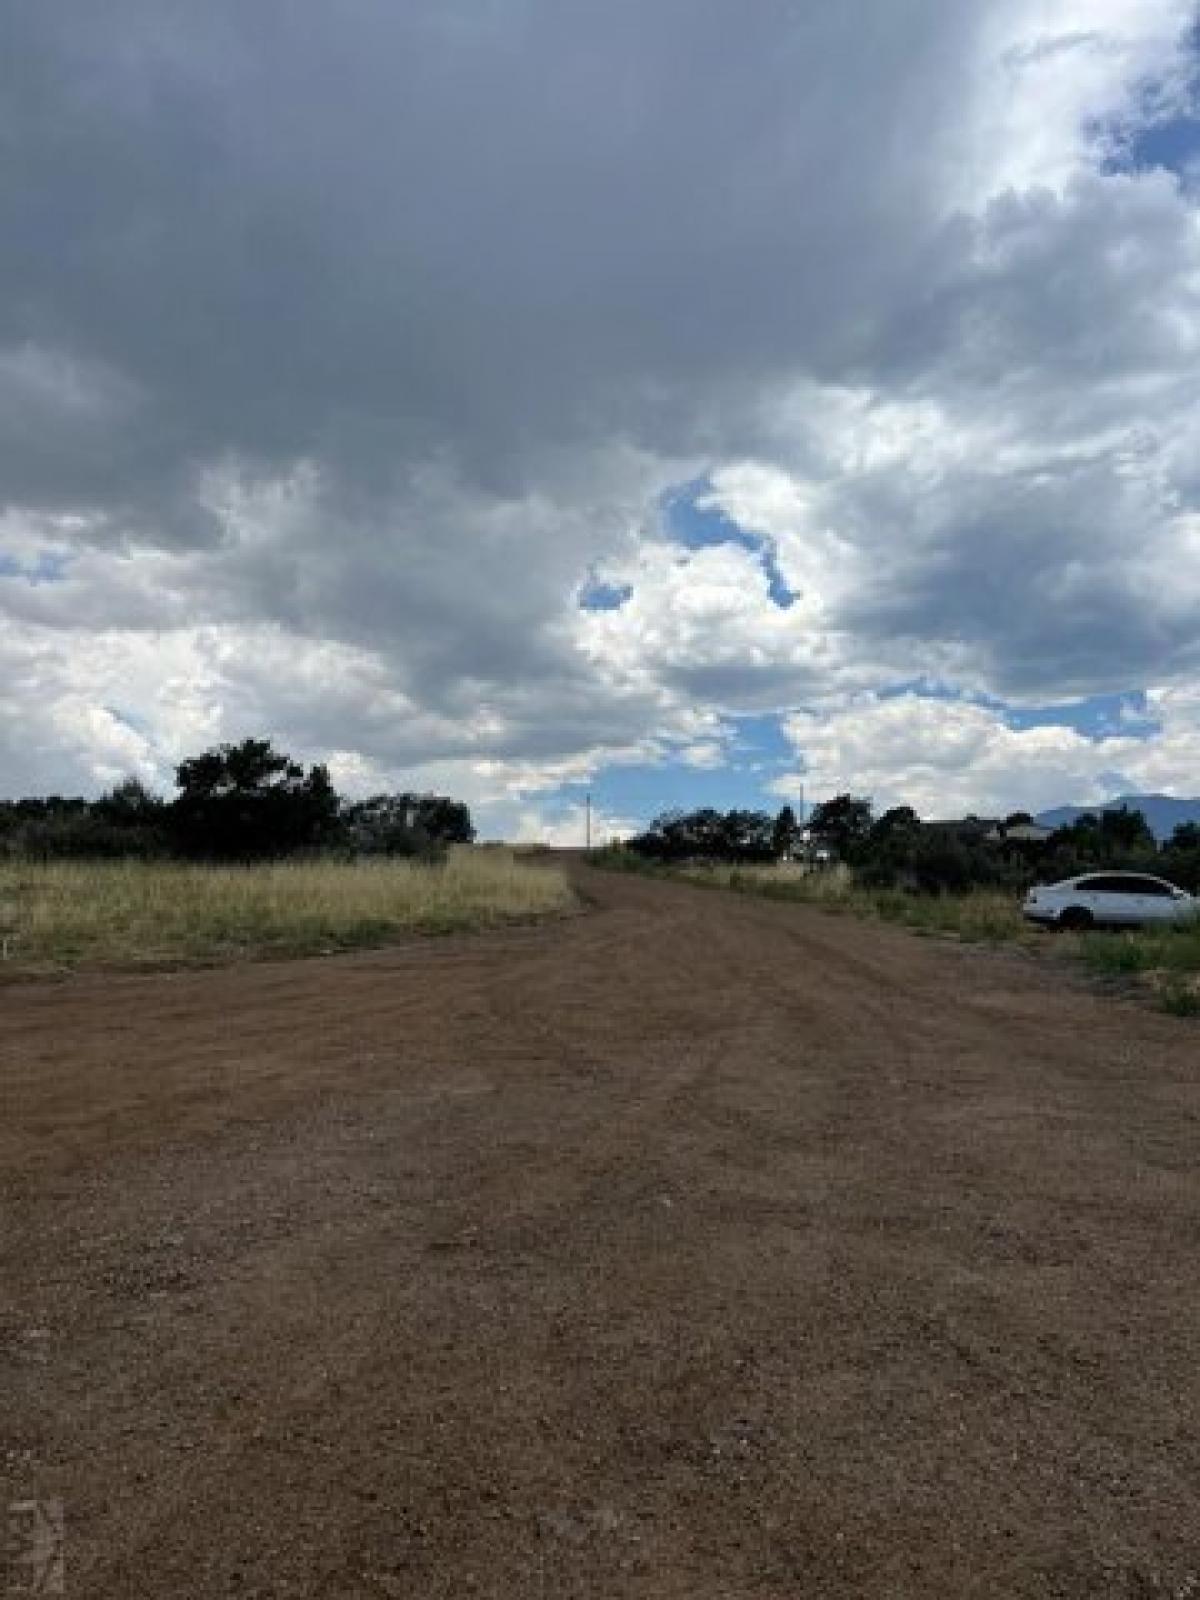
(1102, 716)
(596, 595)
(1174, 145)
(757, 753)
(698, 527)
(641, 792)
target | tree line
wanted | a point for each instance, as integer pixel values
(898, 850)
(236, 802)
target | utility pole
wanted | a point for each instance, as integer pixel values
(588, 813)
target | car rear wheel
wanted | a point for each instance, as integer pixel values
(1076, 917)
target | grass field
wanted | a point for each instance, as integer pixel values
(983, 916)
(64, 914)
(1167, 959)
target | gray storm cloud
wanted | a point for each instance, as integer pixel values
(380, 327)
(367, 233)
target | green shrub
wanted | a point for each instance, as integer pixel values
(1180, 998)
(1116, 954)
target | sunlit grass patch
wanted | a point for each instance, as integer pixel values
(1167, 958)
(63, 914)
(1180, 996)
(984, 915)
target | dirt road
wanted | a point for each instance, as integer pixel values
(694, 1247)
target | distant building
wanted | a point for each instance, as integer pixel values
(1019, 836)
(1031, 833)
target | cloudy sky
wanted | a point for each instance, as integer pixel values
(690, 401)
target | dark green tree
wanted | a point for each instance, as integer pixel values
(246, 801)
(1127, 830)
(885, 857)
(785, 834)
(130, 804)
(901, 822)
(842, 824)
(406, 824)
(1180, 859)
(1105, 839)
(707, 835)
(448, 821)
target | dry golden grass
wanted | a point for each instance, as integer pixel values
(984, 915)
(790, 881)
(64, 914)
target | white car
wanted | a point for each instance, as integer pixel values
(1109, 899)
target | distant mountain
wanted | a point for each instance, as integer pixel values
(1162, 811)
